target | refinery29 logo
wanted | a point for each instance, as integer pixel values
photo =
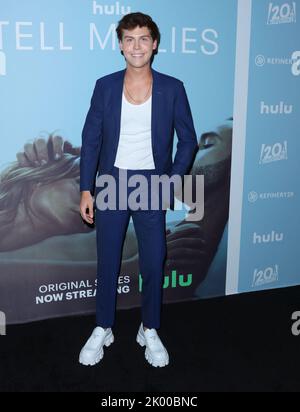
(296, 63)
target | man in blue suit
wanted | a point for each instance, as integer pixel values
(130, 128)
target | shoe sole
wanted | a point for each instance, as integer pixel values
(141, 341)
(107, 342)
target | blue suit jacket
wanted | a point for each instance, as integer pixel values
(170, 110)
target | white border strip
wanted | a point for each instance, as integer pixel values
(238, 143)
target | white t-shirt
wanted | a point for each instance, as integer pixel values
(134, 148)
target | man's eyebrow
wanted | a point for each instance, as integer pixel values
(142, 35)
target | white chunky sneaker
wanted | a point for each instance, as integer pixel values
(155, 353)
(92, 352)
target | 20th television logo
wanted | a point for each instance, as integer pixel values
(2, 323)
(282, 13)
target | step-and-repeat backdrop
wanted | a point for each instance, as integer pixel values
(264, 217)
(240, 66)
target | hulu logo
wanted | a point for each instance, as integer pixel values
(172, 281)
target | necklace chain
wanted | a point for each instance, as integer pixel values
(132, 97)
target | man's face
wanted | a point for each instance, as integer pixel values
(214, 156)
(137, 46)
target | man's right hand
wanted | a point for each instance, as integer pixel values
(87, 207)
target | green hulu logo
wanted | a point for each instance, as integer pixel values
(172, 281)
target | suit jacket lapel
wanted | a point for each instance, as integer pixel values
(156, 109)
(117, 106)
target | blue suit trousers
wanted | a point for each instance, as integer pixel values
(150, 229)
